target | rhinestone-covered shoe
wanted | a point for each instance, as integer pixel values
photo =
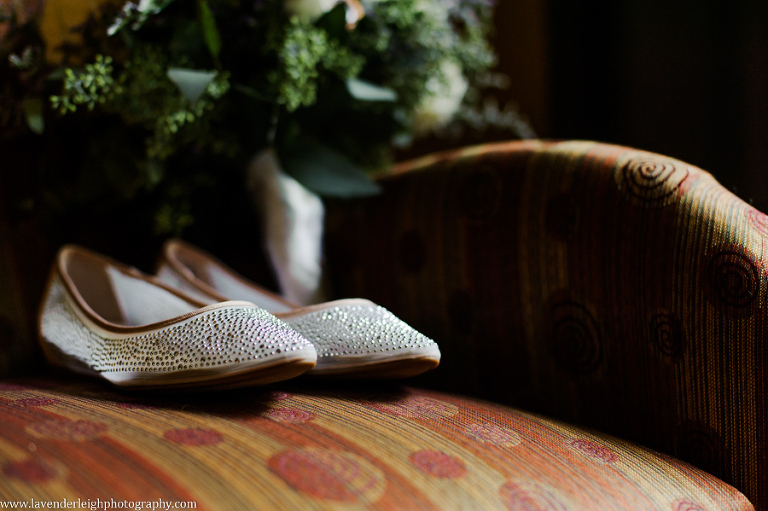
(102, 318)
(353, 337)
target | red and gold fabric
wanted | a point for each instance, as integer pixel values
(573, 283)
(318, 446)
(601, 285)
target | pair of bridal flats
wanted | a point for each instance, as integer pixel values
(199, 324)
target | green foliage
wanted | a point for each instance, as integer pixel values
(191, 90)
(134, 15)
(305, 52)
(208, 27)
(327, 171)
(95, 85)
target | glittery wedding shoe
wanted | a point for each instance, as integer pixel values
(106, 319)
(353, 337)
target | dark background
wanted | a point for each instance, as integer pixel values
(687, 79)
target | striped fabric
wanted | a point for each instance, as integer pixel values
(313, 446)
(605, 286)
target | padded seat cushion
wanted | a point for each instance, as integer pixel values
(316, 445)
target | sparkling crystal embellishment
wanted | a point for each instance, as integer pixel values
(219, 337)
(358, 329)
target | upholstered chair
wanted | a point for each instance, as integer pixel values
(600, 312)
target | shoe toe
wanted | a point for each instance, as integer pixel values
(357, 337)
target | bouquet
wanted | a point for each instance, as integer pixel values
(145, 116)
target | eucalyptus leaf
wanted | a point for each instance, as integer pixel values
(33, 112)
(325, 171)
(366, 91)
(24, 61)
(208, 26)
(191, 82)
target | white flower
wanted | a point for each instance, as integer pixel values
(443, 99)
(310, 9)
(434, 9)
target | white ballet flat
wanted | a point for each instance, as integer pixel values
(105, 319)
(353, 337)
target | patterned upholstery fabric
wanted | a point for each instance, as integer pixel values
(314, 446)
(606, 286)
(609, 287)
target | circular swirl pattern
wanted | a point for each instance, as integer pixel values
(28, 471)
(575, 338)
(593, 450)
(732, 281)
(329, 475)
(34, 401)
(650, 181)
(279, 395)
(686, 505)
(422, 407)
(666, 335)
(438, 464)
(75, 431)
(290, 415)
(193, 436)
(479, 195)
(528, 497)
(758, 220)
(494, 435)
